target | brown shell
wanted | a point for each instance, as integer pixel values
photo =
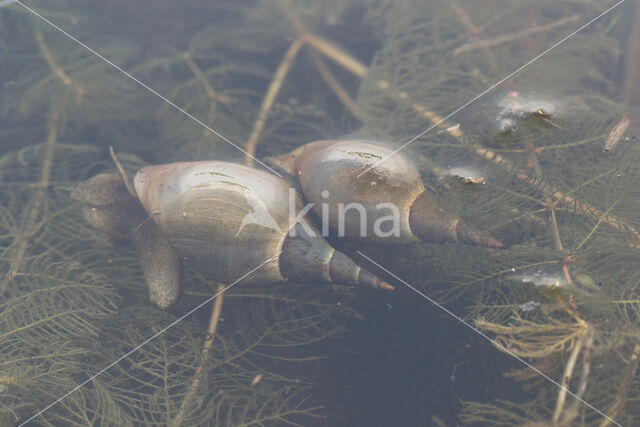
(225, 219)
(334, 166)
(356, 187)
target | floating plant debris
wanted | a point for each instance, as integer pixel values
(617, 133)
(542, 278)
(528, 306)
(518, 106)
(467, 174)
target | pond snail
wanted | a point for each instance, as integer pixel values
(109, 207)
(347, 180)
(223, 218)
(226, 219)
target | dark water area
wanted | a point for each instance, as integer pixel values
(409, 364)
(516, 299)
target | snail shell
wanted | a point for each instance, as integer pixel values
(109, 207)
(330, 175)
(226, 219)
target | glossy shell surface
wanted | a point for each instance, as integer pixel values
(225, 219)
(328, 174)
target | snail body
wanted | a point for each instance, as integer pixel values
(109, 207)
(346, 181)
(227, 219)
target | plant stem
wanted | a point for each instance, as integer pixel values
(566, 378)
(516, 35)
(211, 332)
(270, 97)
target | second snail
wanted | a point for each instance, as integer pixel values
(226, 219)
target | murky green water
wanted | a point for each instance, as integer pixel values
(522, 127)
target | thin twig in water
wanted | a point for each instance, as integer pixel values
(57, 70)
(595, 227)
(517, 35)
(204, 354)
(317, 60)
(270, 97)
(472, 29)
(337, 54)
(566, 377)
(33, 222)
(214, 98)
(551, 207)
(571, 412)
(123, 174)
(333, 83)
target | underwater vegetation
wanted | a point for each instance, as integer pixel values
(546, 162)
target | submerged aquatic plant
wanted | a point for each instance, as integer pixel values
(71, 302)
